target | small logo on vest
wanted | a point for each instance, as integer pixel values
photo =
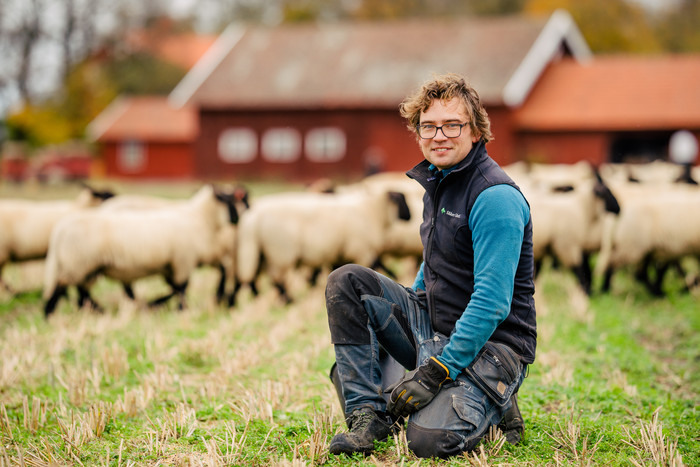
(450, 213)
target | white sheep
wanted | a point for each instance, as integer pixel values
(569, 225)
(315, 230)
(658, 225)
(402, 239)
(657, 171)
(227, 238)
(25, 225)
(549, 176)
(129, 245)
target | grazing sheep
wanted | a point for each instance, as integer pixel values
(402, 238)
(657, 226)
(129, 245)
(312, 229)
(25, 225)
(548, 176)
(568, 225)
(225, 262)
(657, 171)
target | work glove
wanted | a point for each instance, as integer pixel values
(417, 388)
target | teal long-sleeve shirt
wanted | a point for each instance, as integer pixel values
(497, 221)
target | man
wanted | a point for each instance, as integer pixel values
(467, 327)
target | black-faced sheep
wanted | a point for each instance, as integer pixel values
(568, 225)
(315, 230)
(225, 263)
(658, 226)
(25, 225)
(129, 245)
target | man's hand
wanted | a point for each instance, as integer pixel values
(417, 388)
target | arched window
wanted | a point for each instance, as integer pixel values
(238, 145)
(326, 144)
(281, 145)
(131, 156)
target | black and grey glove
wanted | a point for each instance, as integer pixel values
(417, 388)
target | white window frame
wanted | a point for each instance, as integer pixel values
(326, 144)
(237, 145)
(281, 145)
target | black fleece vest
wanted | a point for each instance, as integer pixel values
(448, 252)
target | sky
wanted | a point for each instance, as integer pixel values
(48, 65)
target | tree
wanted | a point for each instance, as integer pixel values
(607, 25)
(679, 29)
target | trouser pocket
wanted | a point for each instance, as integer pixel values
(496, 371)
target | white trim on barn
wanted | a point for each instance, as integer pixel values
(186, 88)
(107, 118)
(560, 28)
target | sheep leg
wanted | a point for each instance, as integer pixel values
(538, 267)
(232, 297)
(607, 279)
(313, 280)
(379, 264)
(221, 289)
(129, 291)
(180, 291)
(160, 300)
(84, 297)
(656, 288)
(50, 306)
(642, 272)
(586, 273)
(579, 271)
(283, 292)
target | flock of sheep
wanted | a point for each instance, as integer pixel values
(640, 216)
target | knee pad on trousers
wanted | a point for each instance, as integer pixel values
(431, 442)
(347, 317)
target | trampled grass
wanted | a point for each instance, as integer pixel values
(616, 381)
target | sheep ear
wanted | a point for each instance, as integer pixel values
(602, 191)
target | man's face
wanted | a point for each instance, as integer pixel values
(441, 151)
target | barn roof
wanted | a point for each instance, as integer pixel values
(625, 92)
(182, 49)
(375, 64)
(144, 118)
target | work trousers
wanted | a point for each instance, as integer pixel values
(380, 329)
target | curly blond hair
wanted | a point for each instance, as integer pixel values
(446, 87)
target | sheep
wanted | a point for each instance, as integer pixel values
(315, 230)
(569, 225)
(225, 263)
(129, 245)
(402, 239)
(657, 226)
(547, 176)
(25, 225)
(657, 171)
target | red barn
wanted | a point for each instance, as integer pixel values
(321, 100)
(146, 138)
(619, 108)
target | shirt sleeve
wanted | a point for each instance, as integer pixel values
(497, 221)
(419, 283)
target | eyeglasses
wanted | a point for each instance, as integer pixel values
(450, 130)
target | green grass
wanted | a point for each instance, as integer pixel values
(616, 381)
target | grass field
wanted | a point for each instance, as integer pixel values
(616, 381)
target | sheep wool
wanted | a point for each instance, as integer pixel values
(131, 244)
